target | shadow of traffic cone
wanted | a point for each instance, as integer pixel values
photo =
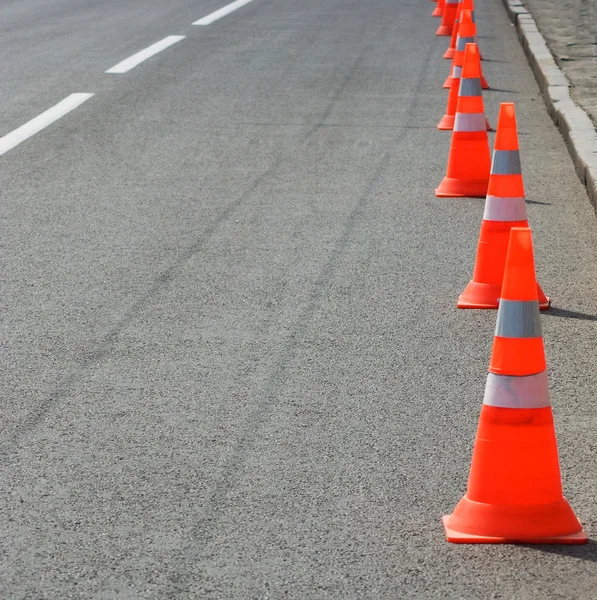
(469, 88)
(469, 160)
(467, 31)
(514, 490)
(504, 208)
(448, 17)
(438, 11)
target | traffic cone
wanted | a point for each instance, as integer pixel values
(467, 31)
(448, 17)
(447, 121)
(469, 160)
(462, 5)
(504, 208)
(514, 490)
(439, 9)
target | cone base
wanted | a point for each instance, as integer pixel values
(479, 295)
(438, 12)
(534, 523)
(484, 84)
(544, 301)
(457, 188)
(448, 82)
(479, 305)
(444, 30)
(449, 53)
(446, 123)
(456, 537)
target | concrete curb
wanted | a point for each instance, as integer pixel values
(574, 123)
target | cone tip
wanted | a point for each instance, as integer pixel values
(471, 67)
(520, 281)
(521, 240)
(522, 233)
(507, 134)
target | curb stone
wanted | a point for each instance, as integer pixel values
(574, 123)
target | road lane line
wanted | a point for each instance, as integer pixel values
(14, 138)
(222, 12)
(135, 59)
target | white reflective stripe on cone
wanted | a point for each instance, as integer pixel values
(461, 42)
(506, 162)
(506, 391)
(452, 1)
(470, 122)
(518, 319)
(456, 72)
(469, 87)
(498, 208)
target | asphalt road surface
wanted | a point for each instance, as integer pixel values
(232, 366)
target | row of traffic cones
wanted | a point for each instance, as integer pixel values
(514, 491)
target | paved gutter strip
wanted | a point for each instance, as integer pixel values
(574, 123)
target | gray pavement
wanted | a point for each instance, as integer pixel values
(570, 29)
(233, 367)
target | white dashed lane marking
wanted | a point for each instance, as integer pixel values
(14, 138)
(222, 12)
(132, 61)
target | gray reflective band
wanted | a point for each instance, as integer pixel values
(452, 1)
(505, 162)
(470, 122)
(456, 72)
(498, 208)
(518, 319)
(461, 42)
(470, 87)
(505, 391)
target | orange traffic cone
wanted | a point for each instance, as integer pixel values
(448, 17)
(468, 88)
(439, 9)
(469, 160)
(514, 490)
(462, 5)
(467, 31)
(504, 208)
